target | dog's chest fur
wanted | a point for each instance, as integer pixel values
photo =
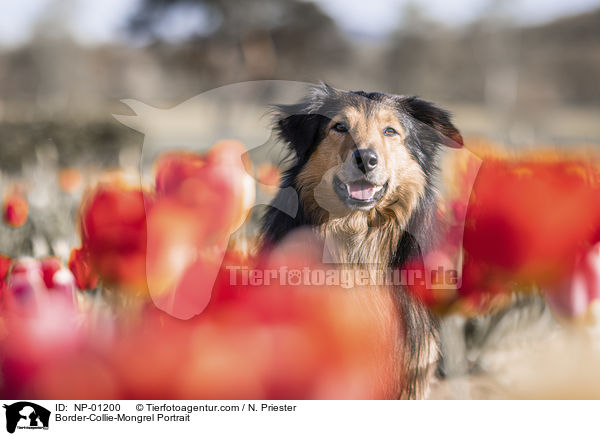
(358, 240)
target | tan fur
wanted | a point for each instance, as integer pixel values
(362, 237)
(368, 239)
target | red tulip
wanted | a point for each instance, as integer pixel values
(216, 185)
(49, 267)
(113, 230)
(43, 335)
(25, 287)
(269, 176)
(528, 221)
(172, 168)
(70, 179)
(15, 210)
(201, 200)
(181, 267)
(5, 263)
(80, 267)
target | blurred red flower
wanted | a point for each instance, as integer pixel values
(269, 176)
(268, 341)
(216, 185)
(31, 284)
(113, 231)
(200, 201)
(181, 266)
(265, 341)
(527, 221)
(70, 179)
(49, 267)
(15, 210)
(5, 263)
(79, 265)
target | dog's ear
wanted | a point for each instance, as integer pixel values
(434, 117)
(301, 124)
(298, 128)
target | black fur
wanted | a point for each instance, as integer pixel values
(301, 127)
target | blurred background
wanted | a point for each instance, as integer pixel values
(521, 72)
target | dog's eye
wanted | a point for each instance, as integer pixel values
(340, 127)
(390, 131)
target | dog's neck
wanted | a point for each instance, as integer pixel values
(361, 238)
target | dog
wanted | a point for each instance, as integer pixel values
(364, 168)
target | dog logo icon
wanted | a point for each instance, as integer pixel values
(26, 415)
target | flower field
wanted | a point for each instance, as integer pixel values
(111, 288)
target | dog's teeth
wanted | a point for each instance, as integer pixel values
(378, 188)
(361, 191)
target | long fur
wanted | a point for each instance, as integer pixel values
(386, 236)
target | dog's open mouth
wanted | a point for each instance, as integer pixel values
(359, 194)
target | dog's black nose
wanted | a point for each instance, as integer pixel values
(365, 160)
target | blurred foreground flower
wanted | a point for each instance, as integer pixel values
(113, 232)
(80, 267)
(269, 177)
(216, 186)
(169, 241)
(41, 324)
(30, 284)
(5, 263)
(15, 210)
(266, 341)
(200, 201)
(527, 222)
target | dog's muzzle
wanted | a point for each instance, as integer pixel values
(360, 194)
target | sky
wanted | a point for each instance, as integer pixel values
(378, 17)
(93, 21)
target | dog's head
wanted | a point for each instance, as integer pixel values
(363, 152)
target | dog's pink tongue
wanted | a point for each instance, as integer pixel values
(360, 191)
